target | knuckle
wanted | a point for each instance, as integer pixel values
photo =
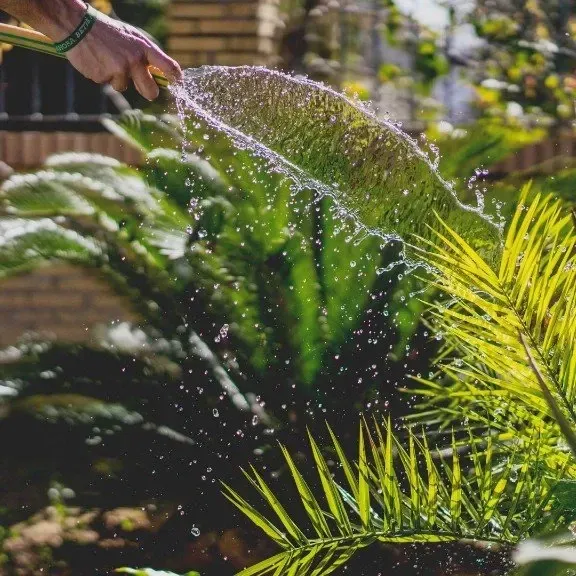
(136, 58)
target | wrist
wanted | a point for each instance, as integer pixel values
(64, 17)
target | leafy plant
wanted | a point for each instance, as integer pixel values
(525, 307)
(388, 497)
(517, 409)
(247, 255)
(250, 299)
(528, 55)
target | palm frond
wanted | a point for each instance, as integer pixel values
(395, 492)
(510, 335)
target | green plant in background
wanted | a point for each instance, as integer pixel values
(248, 254)
(270, 262)
(528, 56)
(469, 154)
(481, 145)
(150, 15)
(507, 371)
(250, 300)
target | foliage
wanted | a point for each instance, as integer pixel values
(479, 146)
(517, 410)
(468, 155)
(552, 555)
(249, 254)
(270, 263)
(149, 15)
(429, 61)
(388, 498)
(525, 307)
(528, 56)
(251, 301)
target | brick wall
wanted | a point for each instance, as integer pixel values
(60, 301)
(24, 150)
(226, 32)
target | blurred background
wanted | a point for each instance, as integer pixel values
(167, 317)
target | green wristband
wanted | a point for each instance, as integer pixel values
(76, 37)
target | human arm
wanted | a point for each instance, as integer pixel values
(112, 52)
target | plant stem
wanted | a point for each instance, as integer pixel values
(561, 419)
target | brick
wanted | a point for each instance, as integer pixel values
(103, 300)
(56, 269)
(9, 301)
(92, 317)
(27, 282)
(253, 44)
(45, 145)
(33, 319)
(197, 44)
(58, 299)
(28, 150)
(194, 10)
(243, 10)
(192, 58)
(69, 334)
(33, 316)
(238, 58)
(85, 284)
(183, 28)
(228, 26)
(12, 149)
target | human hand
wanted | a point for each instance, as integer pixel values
(114, 52)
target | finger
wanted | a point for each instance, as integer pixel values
(144, 82)
(120, 82)
(169, 67)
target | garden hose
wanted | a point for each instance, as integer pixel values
(25, 38)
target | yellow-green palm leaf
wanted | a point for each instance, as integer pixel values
(395, 492)
(509, 331)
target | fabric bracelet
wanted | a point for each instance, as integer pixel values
(76, 37)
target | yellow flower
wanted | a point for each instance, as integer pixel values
(356, 90)
(487, 97)
(514, 73)
(552, 82)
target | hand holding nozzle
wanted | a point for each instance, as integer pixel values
(101, 48)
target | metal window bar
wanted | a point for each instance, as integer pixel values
(36, 91)
(33, 118)
(70, 93)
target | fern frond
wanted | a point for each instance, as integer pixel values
(395, 494)
(25, 244)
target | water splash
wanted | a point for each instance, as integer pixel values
(376, 174)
